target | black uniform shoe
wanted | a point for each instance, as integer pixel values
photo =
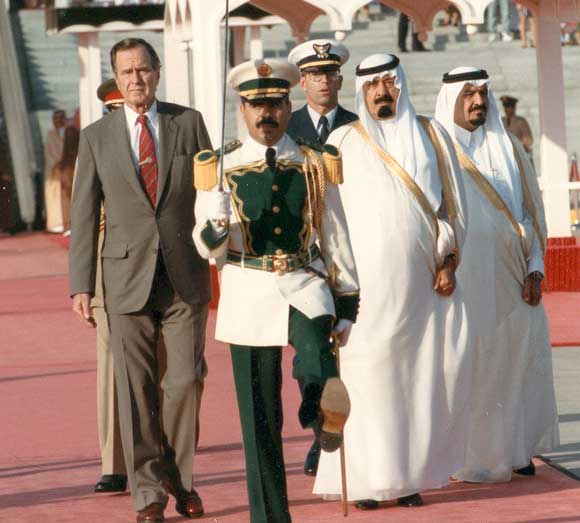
(311, 461)
(414, 500)
(528, 470)
(112, 483)
(367, 504)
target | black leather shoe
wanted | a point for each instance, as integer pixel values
(112, 483)
(414, 500)
(189, 504)
(311, 461)
(528, 470)
(367, 504)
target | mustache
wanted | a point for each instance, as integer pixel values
(383, 99)
(477, 107)
(267, 121)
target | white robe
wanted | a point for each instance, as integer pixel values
(52, 186)
(513, 414)
(407, 363)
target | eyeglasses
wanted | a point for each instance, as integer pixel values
(318, 76)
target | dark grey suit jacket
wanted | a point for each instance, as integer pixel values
(135, 231)
(301, 126)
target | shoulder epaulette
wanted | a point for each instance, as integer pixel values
(316, 146)
(333, 160)
(205, 165)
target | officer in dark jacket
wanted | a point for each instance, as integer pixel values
(319, 62)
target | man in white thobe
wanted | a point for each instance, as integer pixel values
(407, 366)
(514, 414)
(53, 146)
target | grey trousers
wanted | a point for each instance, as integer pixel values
(159, 440)
(492, 22)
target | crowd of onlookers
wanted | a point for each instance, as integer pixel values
(500, 19)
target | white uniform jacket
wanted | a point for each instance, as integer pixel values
(254, 304)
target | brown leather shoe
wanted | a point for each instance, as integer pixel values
(334, 411)
(151, 514)
(189, 504)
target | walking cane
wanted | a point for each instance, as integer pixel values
(344, 496)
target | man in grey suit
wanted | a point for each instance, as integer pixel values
(137, 163)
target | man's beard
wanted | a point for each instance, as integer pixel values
(479, 119)
(385, 111)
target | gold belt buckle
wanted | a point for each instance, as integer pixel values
(280, 264)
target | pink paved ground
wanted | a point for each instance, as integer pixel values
(48, 443)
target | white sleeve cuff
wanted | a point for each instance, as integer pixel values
(445, 241)
(536, 264)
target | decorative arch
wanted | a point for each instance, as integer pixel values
(299, 14)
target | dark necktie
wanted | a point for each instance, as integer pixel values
(147, 160)
(324, 130)
(271, 158)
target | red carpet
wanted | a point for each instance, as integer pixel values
(49, 455)
(563, 310)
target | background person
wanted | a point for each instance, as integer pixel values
(52, 187)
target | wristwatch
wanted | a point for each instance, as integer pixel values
(537, 276)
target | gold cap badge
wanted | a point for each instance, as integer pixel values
(321, 51)
(264, 70)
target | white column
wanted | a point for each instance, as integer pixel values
(239, 40)
(256, 44)
(176, 70)
(553, 153)
(90, 60)
(207, 67)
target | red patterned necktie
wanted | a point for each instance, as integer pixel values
(147, 160)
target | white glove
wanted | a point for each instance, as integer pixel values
(218, 206)
(341, 331)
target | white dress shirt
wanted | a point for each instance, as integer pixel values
(315, 117)
(134, 130)
(259, 151)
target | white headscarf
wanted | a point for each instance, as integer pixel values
(496, 138)
(402, 136)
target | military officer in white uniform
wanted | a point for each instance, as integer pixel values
(288, 274)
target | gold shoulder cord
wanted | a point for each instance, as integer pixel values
(528, 200)
(398, 171)
(315, 174)
(444, 175)
(486, 187)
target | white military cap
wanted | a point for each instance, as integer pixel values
(321, 54)
(264, 78)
